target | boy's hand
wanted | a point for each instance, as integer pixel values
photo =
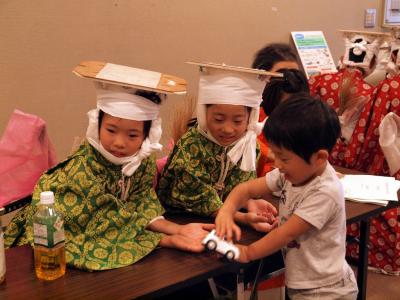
(225, 226)
(196, 231)
(263, 208)
(243, 257)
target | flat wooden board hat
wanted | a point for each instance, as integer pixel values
(204, 66)
(225, 84)
(131, 77)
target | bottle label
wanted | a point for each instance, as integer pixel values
(49, 235)
(2, 257)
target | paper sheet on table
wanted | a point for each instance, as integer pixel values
(370, 189)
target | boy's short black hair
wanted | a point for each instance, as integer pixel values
(303, 125)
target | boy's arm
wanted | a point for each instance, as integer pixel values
(238, 197)
(275, 240)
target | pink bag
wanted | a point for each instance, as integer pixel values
(25, 153)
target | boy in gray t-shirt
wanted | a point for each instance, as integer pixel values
(301, 131)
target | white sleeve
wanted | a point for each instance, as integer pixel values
(274, 180)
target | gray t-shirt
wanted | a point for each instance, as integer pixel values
(316, 258)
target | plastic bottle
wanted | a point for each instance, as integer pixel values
(2, 255)
(49, 241)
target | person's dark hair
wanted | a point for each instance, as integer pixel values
(101, 116)
(303, 125)
(293, 81)
(266, 57)
(152, 96)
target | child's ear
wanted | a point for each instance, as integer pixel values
(322, 156)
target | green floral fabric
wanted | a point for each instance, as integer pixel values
(101, 230)
(189, 178)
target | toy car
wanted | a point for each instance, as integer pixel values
(213, 242)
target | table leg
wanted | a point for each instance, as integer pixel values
(240, 285)
(213, 287)
(362, 268)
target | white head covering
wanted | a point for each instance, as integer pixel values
(358, 44)
(219, 86)
(123, 103)
(389, 139)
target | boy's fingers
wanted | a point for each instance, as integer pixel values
(237, 232)
(228, 235)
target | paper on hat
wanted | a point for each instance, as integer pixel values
(131, 77)
(389, 140)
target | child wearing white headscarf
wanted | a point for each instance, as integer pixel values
(220, 152)
(105, 189)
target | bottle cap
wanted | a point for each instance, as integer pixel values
(46, 197)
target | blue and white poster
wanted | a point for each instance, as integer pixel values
(314, 52)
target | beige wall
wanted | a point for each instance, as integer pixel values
(42, 41)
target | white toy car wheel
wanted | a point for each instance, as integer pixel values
(230, 255)
(211, 245)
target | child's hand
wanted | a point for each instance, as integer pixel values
(243, 257)
(261, 223)
(263, 208)
(225, 226)
(182, 243)
(196, 231)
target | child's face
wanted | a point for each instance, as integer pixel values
(227, 123)
(295, 168)
(121, 137)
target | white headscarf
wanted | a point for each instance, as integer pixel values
(124, 103)
(235, 88)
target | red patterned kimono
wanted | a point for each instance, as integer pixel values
(328, 88)
(265, 164)
(384, 252)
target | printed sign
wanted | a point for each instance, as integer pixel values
(314, 52)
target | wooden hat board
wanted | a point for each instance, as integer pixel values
(131, 77)
(371, 33)
(235, 69)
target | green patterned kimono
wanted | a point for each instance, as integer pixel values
(190, 177)
(101, 230)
